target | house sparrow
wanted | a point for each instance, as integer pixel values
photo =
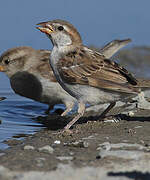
(31, 75)
(84, 73)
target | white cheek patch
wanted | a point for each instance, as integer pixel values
(61, 39)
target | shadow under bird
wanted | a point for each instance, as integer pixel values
(31, 76)
(85, 74)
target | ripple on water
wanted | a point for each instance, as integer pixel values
(17, 116)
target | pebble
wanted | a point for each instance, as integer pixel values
(81, 144)
(106, 146)
(40, 161)
(57, 142)
(138, 127)
(131, 113)
(28, 147)
(89, 137)
(47, 149)
(64, 158)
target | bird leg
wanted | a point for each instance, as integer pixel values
(81, 110)
(107, 109)
(69, 108)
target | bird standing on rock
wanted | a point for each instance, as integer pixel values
(84, 73)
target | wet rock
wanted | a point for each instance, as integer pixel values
(47, 149)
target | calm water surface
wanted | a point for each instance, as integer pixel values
(17, 114)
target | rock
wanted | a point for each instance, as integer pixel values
(64, 158)
(122, 150)
(57, 142)
(81, 144)
(47, 149)
(28, 147)
(124, 154)
(40, 161)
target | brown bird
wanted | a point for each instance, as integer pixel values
(31, 75)
(85, 74)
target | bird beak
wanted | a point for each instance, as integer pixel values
(45, 28)
(2, 69)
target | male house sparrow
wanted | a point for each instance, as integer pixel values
(84, 73)
(31, 75)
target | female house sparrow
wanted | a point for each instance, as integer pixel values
(31, 75)
(84, 73)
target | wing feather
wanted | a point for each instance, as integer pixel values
(87, 67)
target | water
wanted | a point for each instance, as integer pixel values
(17, 114)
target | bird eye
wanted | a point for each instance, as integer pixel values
(7, 61)
(60, 28)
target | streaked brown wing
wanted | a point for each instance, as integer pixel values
(90, 68)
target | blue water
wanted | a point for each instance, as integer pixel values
(17, 114)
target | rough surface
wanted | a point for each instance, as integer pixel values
(95, 149)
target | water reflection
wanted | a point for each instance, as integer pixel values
(17, 116)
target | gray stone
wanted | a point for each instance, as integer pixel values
(28, 147)
(65, 158)
(47, 149)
